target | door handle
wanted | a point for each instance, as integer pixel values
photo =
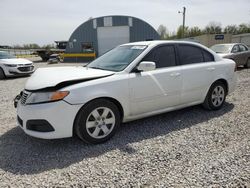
(175, 74)
(211, 68)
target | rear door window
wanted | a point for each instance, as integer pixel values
(242, 48)
(190, 54)
(208, 57)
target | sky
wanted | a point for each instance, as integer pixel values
(44, 21)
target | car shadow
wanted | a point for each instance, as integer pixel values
(22, 154)
(241, 68)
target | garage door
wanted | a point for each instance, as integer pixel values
(110, 37)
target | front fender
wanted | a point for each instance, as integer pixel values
(103, 88)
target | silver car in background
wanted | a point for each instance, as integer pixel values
(235, 51)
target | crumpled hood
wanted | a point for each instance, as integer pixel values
(16, 61)
(51, 77)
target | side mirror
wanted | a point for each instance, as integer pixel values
(146, 66)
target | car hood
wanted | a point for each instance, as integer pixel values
(223, 54)
(58, 77)
(16, 61)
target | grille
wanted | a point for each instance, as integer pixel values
(25, 69)
(24, 97)
(25, 65)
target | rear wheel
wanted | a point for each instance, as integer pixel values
(97, 121)
(2, 75)
(216, 96)
(247, 65)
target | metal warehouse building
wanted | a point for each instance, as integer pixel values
(97, 36)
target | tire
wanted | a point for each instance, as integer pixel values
(2, 75)
(216, 96)
(97, 121)
(247, 65)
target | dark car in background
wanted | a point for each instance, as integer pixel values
(235, 51)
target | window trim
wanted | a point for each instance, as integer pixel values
(204, 61)
(202, 52)
(246, 49)
(233, 48)
(154, 48)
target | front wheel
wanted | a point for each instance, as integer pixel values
(97, 121)
(216, 96)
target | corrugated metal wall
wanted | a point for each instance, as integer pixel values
(242, 38)
(210, 39)
(86, 32)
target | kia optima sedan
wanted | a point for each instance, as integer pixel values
(11, 66)
(131, 81)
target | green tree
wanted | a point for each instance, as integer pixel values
(231, 29)
(48, 46)
(180, 33)
(163, 32)
(213, 28)
(31, 46)
(17, 46)
(194, 31)
(244, 28)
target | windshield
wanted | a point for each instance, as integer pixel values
(222, 48)
(118, 58)
(5, 55)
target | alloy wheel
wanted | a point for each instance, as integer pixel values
(100, 122)
(218, 96)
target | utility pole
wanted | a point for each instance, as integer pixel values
(183, 24)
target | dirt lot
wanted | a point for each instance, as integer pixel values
(186, 148)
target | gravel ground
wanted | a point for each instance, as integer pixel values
(186, 148)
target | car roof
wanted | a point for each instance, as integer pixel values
(156, 42)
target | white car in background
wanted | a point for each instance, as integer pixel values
(131, 81)
(11, 66)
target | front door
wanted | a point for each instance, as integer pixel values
(157, 89)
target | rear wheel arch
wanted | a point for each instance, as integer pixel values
(222, 81)
(216, 100)
(219, 80)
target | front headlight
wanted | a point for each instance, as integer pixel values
(43, 97)
(10, 65)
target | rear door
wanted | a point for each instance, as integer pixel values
(237, 57)
(198, 68)
(244, 54)
(159, 88)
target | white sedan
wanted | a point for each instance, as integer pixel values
(11, 66)
(131, 81)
